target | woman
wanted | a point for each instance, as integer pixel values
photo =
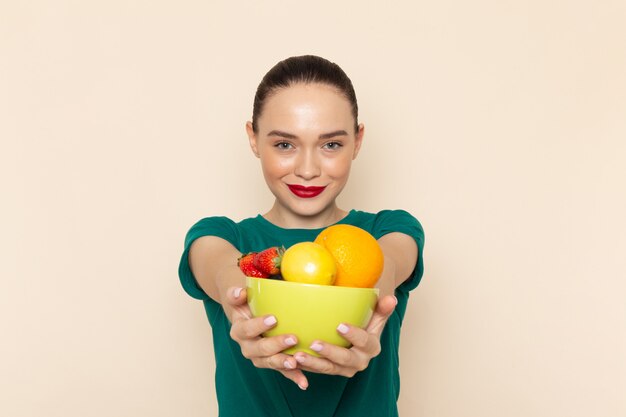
(305, 132)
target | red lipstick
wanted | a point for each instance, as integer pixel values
(305, 192)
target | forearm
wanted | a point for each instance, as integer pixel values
(213, 262)
(387, 280)
(400, 252)
(230, 276)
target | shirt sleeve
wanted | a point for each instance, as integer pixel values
(221, 227)
(388, 221)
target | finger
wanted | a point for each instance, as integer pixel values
(338, 356)
(240, 313)
(278, 361)
(387, 304)
(286, 365)
(384, 308)
(249, 328)
(356, 336)
(296, 376)
(236, 296)
(265, 348)
(319, 365)
(322, 365)
(365, 346)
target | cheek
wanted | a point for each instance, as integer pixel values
(338, 167)
(276, 167)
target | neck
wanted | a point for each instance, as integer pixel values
(289, 220)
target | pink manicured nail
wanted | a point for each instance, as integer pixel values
(299, 358)
(301, 387)
(290, 341)
(270, 321)
(237, 292)
(316, 347)
(342, 328)
(288, 365)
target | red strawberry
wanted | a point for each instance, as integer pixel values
(246, 264)
(268, 260)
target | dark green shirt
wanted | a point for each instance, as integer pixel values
(244, 390)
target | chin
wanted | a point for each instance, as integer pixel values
(311, 210)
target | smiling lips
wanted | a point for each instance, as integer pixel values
(305, 192)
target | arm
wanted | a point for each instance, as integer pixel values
(400, 251)
(213, 262)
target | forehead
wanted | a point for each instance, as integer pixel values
(306, 106)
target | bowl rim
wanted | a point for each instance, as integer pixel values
(279, 282)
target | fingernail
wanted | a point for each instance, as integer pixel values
(287, 365)
(316, 347)
(342, 328)
(299, 358)
(270, 321)
(237, 292)
(394, 297)
(303, 388)
(290, 341)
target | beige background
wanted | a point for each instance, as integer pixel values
(500, 125)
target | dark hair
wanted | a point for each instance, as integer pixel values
(305, 69)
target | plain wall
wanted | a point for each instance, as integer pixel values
(500, 125)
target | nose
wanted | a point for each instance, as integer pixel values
(307, 165)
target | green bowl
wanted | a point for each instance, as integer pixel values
(311, 312)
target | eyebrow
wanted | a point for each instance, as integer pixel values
(322, 136)
(282, 134)
(333, 134)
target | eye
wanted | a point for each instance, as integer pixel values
(333, 146)
(283, 146)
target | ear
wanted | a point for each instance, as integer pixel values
(358, 140)
(252, 139)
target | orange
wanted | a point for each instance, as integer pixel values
(309, 263)
(358, 255)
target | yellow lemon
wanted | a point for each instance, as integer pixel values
(309, 263)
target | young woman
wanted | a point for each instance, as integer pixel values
(305, 132)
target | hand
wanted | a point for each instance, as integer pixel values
(264, 352)
(336, 360)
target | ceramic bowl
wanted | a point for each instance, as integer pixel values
(311, 312)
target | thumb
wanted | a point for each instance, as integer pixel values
(386, 305)
(384, 308)
(236, 296)
(236, 304)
